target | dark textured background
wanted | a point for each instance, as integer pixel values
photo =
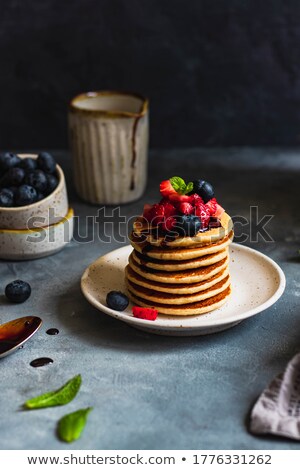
(217, 72)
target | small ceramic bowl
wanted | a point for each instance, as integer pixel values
(48, 211)
(38, 242)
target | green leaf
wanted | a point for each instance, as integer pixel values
(189, 188)
(71, 425)
(59, 397)
(178, 184)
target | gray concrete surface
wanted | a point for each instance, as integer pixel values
(154, 392)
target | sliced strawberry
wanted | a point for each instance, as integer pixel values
(144, 313)
(212, 206)
(177, 198)
(203, 213)
(185, 208)
(219, 211)
(166, 188)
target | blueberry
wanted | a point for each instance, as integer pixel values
(14, 176)
(6, 198)
(116, 300)
(46, 162)
(204, 189)
(187, 225)
(8, 160)
(25, 195)
(52, 183)
(18, 291)
(39, 196)
(28, 164)
(37, 179)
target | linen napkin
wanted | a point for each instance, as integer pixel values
(277, 410)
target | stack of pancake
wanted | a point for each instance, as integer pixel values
(183, 275)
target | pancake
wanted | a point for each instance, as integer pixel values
(167, 253)
(188, 276)
(174, 288)
(141, 228)
(195, 308)
(177, 299)
(176, 265)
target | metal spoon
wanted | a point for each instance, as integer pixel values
(16, 332)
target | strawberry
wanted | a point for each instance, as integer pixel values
(212, 206)
(166, 188)
(144, 313)
(219, 211)
(185, 208)
(203, 213)
(167, 191)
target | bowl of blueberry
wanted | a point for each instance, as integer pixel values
(33, 205)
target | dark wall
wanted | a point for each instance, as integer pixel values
(217, 72)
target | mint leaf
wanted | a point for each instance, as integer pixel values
(59, 397)
(71, 425)
(189, 188)
(178, 184)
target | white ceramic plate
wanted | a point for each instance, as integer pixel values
(257, 283)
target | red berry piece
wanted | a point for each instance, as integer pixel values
(219, 211)
(195, 199)
(144, 313)
(212, 206)
(185, 208)
(203, 213)
(168, 224)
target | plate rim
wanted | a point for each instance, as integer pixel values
(161, 323)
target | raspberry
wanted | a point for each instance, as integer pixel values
(168, 224)
(155, 213)
(195, 199)
(203, 213)
(169, 208)
(144, 313)
(212, 206)
(185, 208)
(147, 212)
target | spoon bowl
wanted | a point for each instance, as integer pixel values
(16, 332)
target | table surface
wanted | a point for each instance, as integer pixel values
(148, 391)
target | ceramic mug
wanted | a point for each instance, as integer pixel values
(109, 133)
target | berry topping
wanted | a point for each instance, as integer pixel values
(203, 212)
(25, 195)
(18, 291)
(188, 225)
(6, 198)
(116, 300)
(212, 206)
(168, 224)
(154, 214)
(185, 208)
(219, 211)
(46, 162)
(144, 313)
(175, 189)
(204, 189)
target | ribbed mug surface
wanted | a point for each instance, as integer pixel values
(109, 134)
